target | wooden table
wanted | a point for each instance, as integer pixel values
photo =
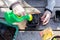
(34, 35)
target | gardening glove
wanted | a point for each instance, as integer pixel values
(46, 17)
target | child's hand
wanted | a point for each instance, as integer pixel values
(46, 17)
(18, 10)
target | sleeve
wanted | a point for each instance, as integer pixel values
(50, 5)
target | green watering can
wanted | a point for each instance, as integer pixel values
(11, 18)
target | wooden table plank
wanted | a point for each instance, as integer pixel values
(38, 3)
(40, 9)
(41, 3)
(32, 35)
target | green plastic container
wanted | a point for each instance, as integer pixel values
(5, 24)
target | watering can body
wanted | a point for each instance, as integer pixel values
(11, 18)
